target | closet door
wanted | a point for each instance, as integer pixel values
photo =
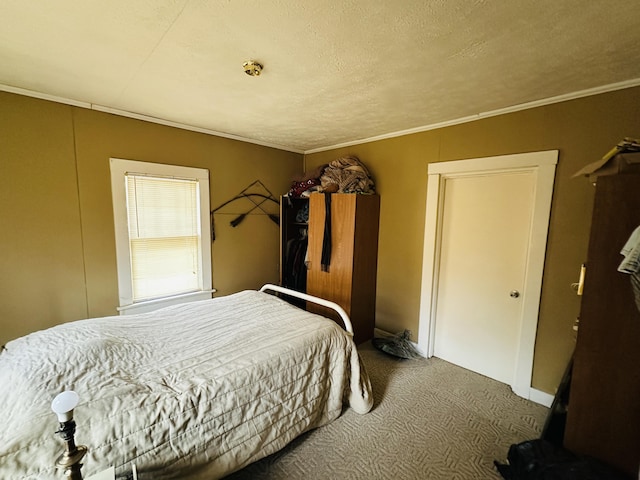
(603, 418)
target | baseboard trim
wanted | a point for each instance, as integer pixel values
(540, 397)
(536, 396)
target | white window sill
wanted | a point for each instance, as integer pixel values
(150, 305)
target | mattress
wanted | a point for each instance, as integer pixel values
(197, 390)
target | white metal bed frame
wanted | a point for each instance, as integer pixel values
(310, 298)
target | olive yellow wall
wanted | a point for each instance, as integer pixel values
(58, 258)
(583, 130)
(57, 240)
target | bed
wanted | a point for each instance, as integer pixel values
(197, 390)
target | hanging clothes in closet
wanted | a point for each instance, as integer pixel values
(295, 273)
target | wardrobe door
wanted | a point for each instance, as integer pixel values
(349, 278)
(603, 417)
(335, 283)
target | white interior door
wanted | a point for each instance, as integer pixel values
(485, 237)
(486, 230)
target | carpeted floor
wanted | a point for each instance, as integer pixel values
(431, 420)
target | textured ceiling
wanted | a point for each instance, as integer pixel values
(335, 71)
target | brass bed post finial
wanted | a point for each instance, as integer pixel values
(69, 460)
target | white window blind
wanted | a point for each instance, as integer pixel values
(164, 235)
(161, 224)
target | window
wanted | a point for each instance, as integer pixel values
(163, 249)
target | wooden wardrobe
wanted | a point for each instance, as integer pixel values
(603, 416)
(350, 277)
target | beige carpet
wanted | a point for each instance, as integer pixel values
(431, 420)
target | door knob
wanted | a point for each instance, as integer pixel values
(514, 294)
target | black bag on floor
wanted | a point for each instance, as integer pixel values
(541, 460)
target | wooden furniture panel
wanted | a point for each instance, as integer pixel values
(336, 283)
(351, 279)
(603, 418)
(365, 265)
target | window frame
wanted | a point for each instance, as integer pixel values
(119, 169)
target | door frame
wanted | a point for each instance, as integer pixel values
(543, 166)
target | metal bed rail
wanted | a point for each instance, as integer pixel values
(310, 298)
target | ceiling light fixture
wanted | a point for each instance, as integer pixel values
(252, 68)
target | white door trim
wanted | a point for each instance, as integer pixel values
(543, 166)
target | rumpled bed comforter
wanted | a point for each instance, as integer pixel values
(197, 390)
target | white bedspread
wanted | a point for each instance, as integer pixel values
(190, 391)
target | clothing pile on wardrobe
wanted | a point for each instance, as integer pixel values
(343, 175)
